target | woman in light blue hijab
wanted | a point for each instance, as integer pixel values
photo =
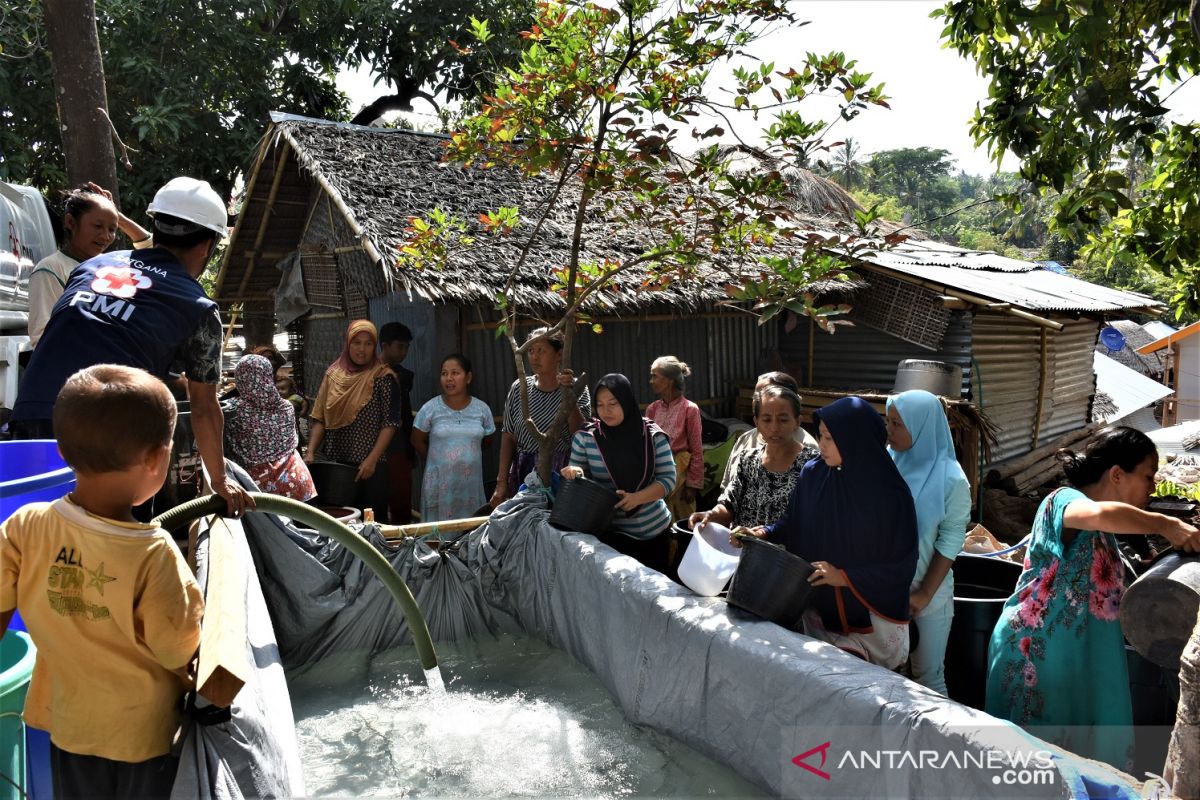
(920, 443)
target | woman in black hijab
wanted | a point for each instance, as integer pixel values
(629, 454)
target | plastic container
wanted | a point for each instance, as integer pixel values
(17, 655)
(585, 506)
(31, 471)
(709, 561)
(770, 582)
(334, 482)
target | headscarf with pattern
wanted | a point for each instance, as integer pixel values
(260, 426)
(347, 387)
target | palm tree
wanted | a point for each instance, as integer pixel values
(847, 168)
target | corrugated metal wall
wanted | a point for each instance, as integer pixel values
(1008, 355)
(860, 357)
(1072, 379)
(1006, 379)
(722, 350)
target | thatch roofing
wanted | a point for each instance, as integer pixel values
(1135, 337)
(381, 178)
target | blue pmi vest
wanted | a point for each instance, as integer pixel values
(131, 307)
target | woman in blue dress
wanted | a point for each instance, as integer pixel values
(921, 445)
(449, 433)
(1057, 656)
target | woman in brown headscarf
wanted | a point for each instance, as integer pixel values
(354, 416)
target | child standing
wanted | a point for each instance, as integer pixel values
(109, 602)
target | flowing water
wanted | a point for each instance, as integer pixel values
(516, 718)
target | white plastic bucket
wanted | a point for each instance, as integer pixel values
(710, 560)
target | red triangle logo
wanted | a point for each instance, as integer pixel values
(823, 749)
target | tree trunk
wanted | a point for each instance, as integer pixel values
(1182, 770)
(79, 92)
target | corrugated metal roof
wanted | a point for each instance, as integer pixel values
(1170, 440)
(1158, 329)
(1129, 389)
(1033, 289)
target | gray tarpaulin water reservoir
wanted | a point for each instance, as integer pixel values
(796, 716)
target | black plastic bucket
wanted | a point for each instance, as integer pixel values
(770, 582)
(334, 482)
(585, 506)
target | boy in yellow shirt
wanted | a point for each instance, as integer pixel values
(109, 602)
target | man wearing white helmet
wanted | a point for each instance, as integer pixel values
(143, 308)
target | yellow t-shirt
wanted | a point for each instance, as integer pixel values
(112, 608)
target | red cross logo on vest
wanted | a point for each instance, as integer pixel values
(123, 282)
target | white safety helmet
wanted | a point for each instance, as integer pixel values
(192, 200)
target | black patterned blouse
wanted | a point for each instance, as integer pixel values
(353, 443)
(755, 495)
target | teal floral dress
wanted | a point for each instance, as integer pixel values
(1057, 655)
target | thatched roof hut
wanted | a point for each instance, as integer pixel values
(376, 180)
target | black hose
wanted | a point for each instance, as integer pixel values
(322, 522)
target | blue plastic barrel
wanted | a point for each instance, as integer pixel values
(32, 471)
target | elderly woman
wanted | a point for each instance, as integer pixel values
(354, 416)
(921, 445)
(1057, 654)
(766, 473)
(680, 418)
(628, 453)
(260, 432)
(851, 516)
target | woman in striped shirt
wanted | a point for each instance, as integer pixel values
(630, 454)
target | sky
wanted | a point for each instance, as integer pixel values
(933, 91)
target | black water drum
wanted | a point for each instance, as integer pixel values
(981, 586)
(585, 506)
(770, 582)
(335, 483)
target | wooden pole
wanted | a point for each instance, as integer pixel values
(426, 528)
(1043, 373)
(812, 335)
(251, 260)
(262, 153)
(222, 669)
(1009, 468)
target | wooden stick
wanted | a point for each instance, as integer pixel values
(426, 528)
(1009, 468)
(219, 286)
(222, 669)
(1051, 472)
(1043, 375)
(251, 259)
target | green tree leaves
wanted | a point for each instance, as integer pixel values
(1077, 90)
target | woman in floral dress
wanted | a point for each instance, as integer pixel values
(450, 432)
(1057, 655)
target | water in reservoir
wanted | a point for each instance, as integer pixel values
(517, 718)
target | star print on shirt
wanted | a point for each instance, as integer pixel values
(98, 578)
